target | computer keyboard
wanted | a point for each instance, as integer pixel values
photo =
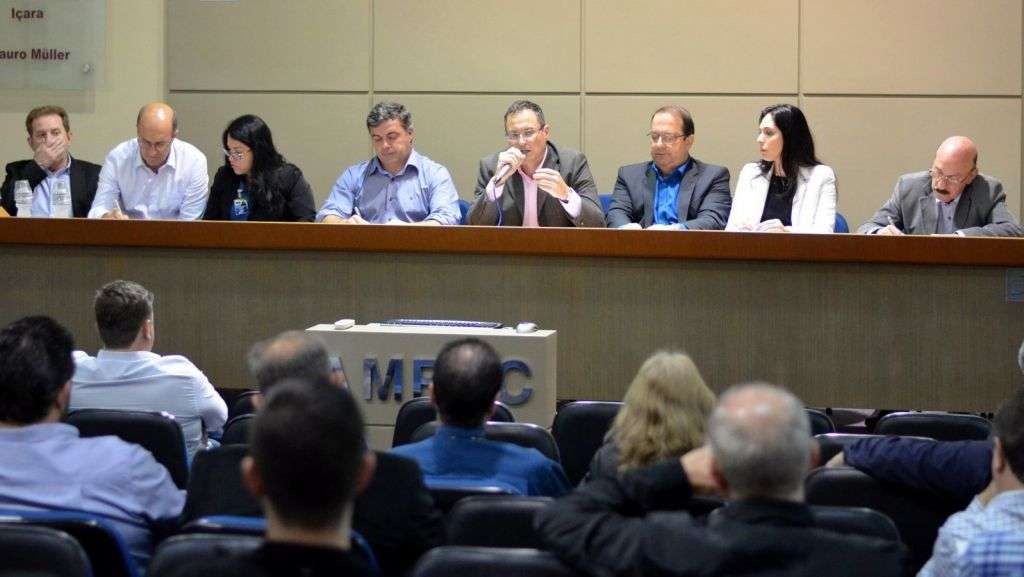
(443, 323)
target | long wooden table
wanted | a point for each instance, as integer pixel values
(843, 320)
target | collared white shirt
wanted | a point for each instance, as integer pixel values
(176, 191)
(145, 381)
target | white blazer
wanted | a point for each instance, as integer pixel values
(814, 203)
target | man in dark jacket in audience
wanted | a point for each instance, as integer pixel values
(759, 451)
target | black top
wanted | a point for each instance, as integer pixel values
(83, 179)
(779, 202)
(298, 204)
(280, 560)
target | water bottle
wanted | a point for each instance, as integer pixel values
(23, 198)
(61, 200)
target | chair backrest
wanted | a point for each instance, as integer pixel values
(821, 423)
(445, 497)
(156, 432)
(579, 429)
(523, 434)
(938, 426)
(41, 551)
(181, 549)
(215, 485)
(236, 431)
(847, 520)
(916, 514)
(606, 202)
(495, 521)
(841, 225)
(419, 410)
(107, 551)
(463, 211)
(493, 562)
(242, 405)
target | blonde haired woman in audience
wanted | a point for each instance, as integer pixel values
(663, 415)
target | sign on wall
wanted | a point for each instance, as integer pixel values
(52, 44)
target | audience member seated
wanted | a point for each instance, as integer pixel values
(952, 198)
(467, 379)
(49, 138)
(398, 185)
(126, 374)
(256, 182)
(759, 450)
(789, 190)
(672, 191)
(396, 513)
(46, 466)
(153, 176)
(308, 461)
(663, 415)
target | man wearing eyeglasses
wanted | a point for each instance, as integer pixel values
(533, 182)
(154, 175)
(952, 198)
(674, 191)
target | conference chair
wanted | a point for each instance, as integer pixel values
(522, 434)
(846, 520)
(446, 496)
(181, 549)
(463, 211)
(106, 550)
(916, 514)
(579, 429)
(495, 521)
(420, 410)
(28, 550)
(936, 425)
(456, 560)
(841, 225)
(606, 202)
(157, 432)
(242, 405)
(215, 485)
(821, 423)
(236, 431)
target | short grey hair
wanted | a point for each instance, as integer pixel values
(761, 439)
(385, 111)
(289, 355)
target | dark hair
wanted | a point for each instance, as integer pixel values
(683, 114)
(307, 445)
(35, 363)
(289, 355)
(1009, 429)
(385, 111)
(251, 131)
(797, 142)
(467, 378)
(521, 105)
(47, 110)
(121, 308)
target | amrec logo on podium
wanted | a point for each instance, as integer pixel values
(392, 384)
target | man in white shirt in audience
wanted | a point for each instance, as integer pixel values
(127, 375)
(154, 175)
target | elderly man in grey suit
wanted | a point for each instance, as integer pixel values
(952, 198)
(674, 191)
(534, 182)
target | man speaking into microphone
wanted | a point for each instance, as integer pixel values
(534, 182)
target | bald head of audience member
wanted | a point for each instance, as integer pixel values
(308, 460)
(156, 126)
(467, 379)
(291, 355)
(761, 445)
(954, 168)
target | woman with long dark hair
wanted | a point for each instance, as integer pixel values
(256, 182)
(789, 190)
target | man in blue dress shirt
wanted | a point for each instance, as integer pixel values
(467, 378)
(398, 185)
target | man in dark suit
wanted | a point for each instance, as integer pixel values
(674, 191)
(49, 137)
(759, 450)
(533, 182)
(952, 198)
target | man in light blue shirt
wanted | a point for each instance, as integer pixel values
(398, 185)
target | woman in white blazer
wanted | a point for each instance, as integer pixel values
(789, 190)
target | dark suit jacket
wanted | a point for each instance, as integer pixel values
(981, 211)
(297, 206)
(750, 537)
(573, 167)
(704, 198)
(83, 177)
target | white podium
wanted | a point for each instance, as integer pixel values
(386, 365)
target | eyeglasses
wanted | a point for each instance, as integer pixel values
(954, 180)
(665, 137)
(524, 135)
(157, 146)
(234, 155)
